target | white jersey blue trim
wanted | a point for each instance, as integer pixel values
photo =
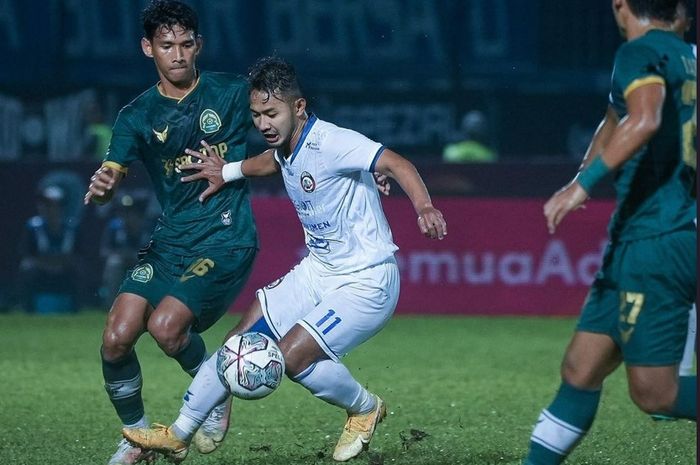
(329, 181)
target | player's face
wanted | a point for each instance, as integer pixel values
(174, 51)
(276, 119)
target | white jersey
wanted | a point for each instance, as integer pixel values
(329, 180)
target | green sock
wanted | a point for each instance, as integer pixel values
(686, 405)
(123, 385)
(193, 355)
(562, 425)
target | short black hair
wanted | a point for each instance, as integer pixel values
(168, 14)
(274, 76)
(665, 10)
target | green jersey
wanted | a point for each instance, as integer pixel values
(655, 189)
(157, 129)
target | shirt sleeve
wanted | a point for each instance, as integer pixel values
(351, 151)
(124, 145)
(637, 65)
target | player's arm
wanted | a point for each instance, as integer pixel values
(217, 172)
(430, 219)
(103, 184)
(644, 110)
(601, 137)
(255, 167)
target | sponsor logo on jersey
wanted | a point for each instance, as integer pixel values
(313, 141)
(161, 135)
(322, 246)
(307, 182)
(142, 273)
(226, 219)
(209, 121)
(274, 283)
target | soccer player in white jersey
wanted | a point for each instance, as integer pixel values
(347, 287)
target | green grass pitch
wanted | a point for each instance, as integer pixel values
(458, 390)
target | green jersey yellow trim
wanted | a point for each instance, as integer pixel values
(115, 166)
(160, 91)
(637, 83)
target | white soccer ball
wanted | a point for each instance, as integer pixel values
(250, 365)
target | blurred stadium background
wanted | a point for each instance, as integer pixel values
(535, 74)
(404, 72)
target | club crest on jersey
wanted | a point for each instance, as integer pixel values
(142, 273)
(226, 219)
(274, 283)
(307, 182)
(209, 121)
(161, 135)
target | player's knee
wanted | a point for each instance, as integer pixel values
(650, 399)
(170, 338)
(117, 343)
(295, 362)
(579, 375)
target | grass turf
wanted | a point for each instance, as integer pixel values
(458, 390)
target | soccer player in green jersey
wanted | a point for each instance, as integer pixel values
(637, 309)
(200, 254)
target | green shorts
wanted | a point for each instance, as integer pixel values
(641, 297)
(207, 284)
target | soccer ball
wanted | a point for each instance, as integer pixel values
(250, 365)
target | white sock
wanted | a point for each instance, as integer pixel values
(331, 381)
(204, 393)
(686, 366)
(556, 434)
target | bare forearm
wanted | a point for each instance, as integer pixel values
(260, 165)
(601, 137)
(407, 176)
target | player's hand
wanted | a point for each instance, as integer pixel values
(431, 223)
(570, 197)
(382, 182)
(101, 185)
(209, 167)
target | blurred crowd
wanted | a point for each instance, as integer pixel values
(52, 274)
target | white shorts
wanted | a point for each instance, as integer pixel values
(340, 311)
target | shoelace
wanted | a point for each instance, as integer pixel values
(357, 422)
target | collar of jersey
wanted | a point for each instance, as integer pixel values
(304, 133)
(178, 100)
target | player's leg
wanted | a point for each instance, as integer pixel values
(654, 330)
(212, 410)
(170, 325)
(590, 357)
(121, 370)
(351, 310)
(658, 390)
(198, 299)
(329, 380)
(686, 366)
(204, 395)
(588, 360)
